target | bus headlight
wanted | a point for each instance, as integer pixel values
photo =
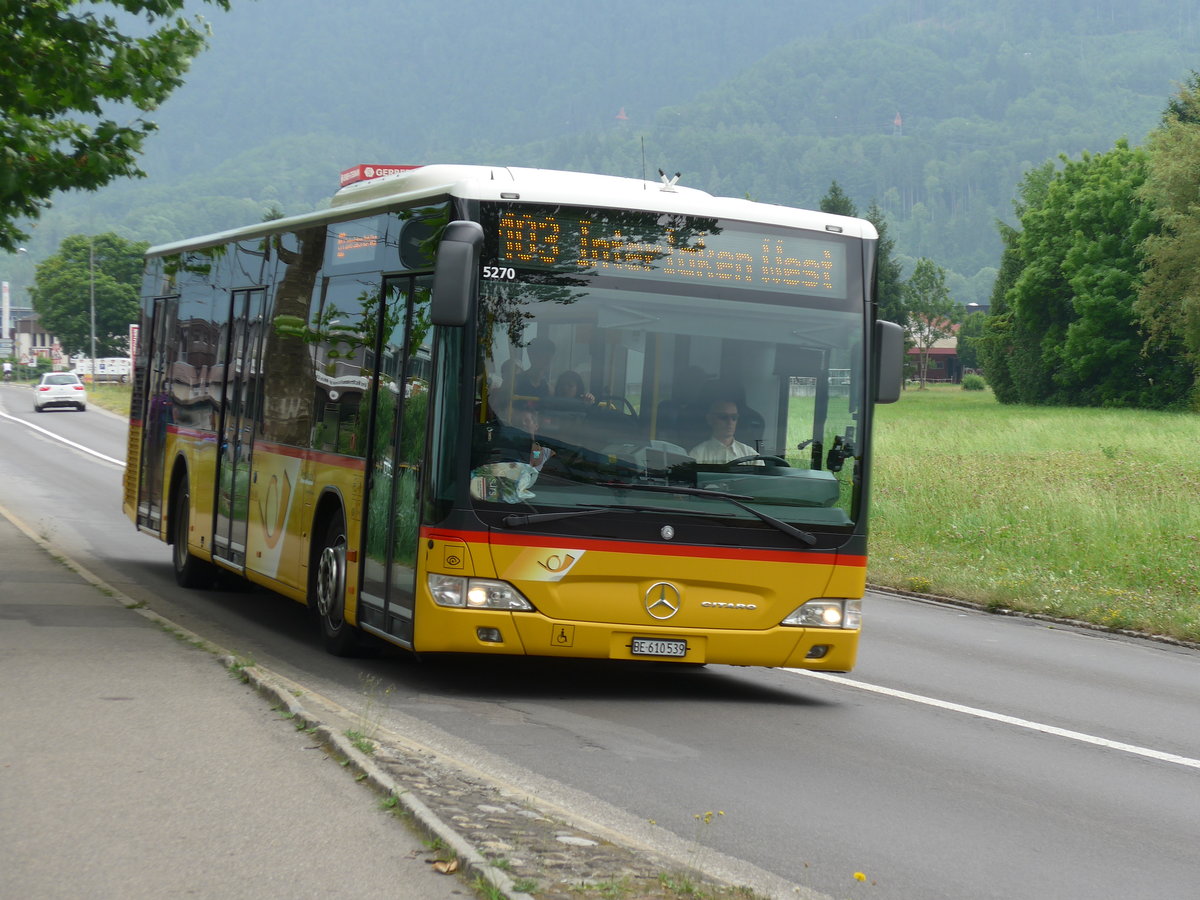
(845, 614)
(476, 593)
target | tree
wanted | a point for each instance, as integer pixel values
(1071, 332)
(1106, 361)
(1002, 334)
(969, 334)
(63, 288)
(1184, 107)
(836, 202)
(1168, 304)
(931, 313)
(889, 295)
(62, 70)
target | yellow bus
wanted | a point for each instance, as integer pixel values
(469, 409)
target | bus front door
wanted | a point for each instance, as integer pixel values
(392, 507)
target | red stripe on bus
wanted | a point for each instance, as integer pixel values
(692, 551)
(321, 456)
(192, 433)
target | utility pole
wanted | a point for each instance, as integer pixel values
(92, 292)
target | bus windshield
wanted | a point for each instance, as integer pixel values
(630, 360)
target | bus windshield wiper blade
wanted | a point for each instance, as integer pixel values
(674, 489)
(804, 537)
(515, 521)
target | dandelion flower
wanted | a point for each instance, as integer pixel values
(859, 876)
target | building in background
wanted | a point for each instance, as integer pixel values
(30, 342)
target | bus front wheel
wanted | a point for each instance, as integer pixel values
(328, 589)
(190, 571)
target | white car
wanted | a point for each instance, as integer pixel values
(60, 389)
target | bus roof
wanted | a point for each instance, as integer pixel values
(536, 186)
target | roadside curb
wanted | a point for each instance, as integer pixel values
(470, 861)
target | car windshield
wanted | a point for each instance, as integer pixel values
(593, 385)
(60, 379)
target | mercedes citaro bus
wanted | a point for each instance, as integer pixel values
(469, 409)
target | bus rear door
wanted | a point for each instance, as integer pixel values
(237, 427)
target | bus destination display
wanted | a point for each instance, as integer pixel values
(679, 250)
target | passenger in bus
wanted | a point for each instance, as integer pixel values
(529, 421)
(509, 372)
(535, 381)
(570, 386)
(722, 446)
(501, 388)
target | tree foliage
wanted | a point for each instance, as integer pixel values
(969, 335)
(1169, 302)
(835, 201)
(64, 72)
(1004, 333)
(932, 314)
(889, 276)
(1064, 331)
(106, 265)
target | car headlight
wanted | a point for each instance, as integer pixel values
(476, 593)
(845, 614)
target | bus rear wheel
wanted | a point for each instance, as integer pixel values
(327, 589)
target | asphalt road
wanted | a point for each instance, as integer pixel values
(969, 755)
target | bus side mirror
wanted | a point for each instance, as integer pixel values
(889, 361)
(456, 273)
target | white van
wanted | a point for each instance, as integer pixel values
(113, 368)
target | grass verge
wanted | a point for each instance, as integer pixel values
(1087, 514)
(110, 396)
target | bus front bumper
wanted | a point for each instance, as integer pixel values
(441, 630)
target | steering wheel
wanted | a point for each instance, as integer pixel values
(771, 460)
(612, 401)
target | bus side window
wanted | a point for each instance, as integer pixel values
(346, 328)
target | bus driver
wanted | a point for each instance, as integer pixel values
(722, 447)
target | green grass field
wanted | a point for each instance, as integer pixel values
(1082, 513)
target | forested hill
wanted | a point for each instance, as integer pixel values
(932, 108)
(290, 92)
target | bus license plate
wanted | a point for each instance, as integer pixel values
(657, 647)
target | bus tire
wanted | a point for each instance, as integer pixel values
(190, 571)
(327, 588)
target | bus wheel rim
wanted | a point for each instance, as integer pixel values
(329, 582)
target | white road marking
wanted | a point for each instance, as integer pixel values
(1007, 720)
(61, 439)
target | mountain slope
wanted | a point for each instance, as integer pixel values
(932, 108)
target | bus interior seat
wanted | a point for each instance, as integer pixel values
(681, 423)
(751, 426)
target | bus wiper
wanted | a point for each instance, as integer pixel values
(804, 537)
(514, 521)
(535, 518)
